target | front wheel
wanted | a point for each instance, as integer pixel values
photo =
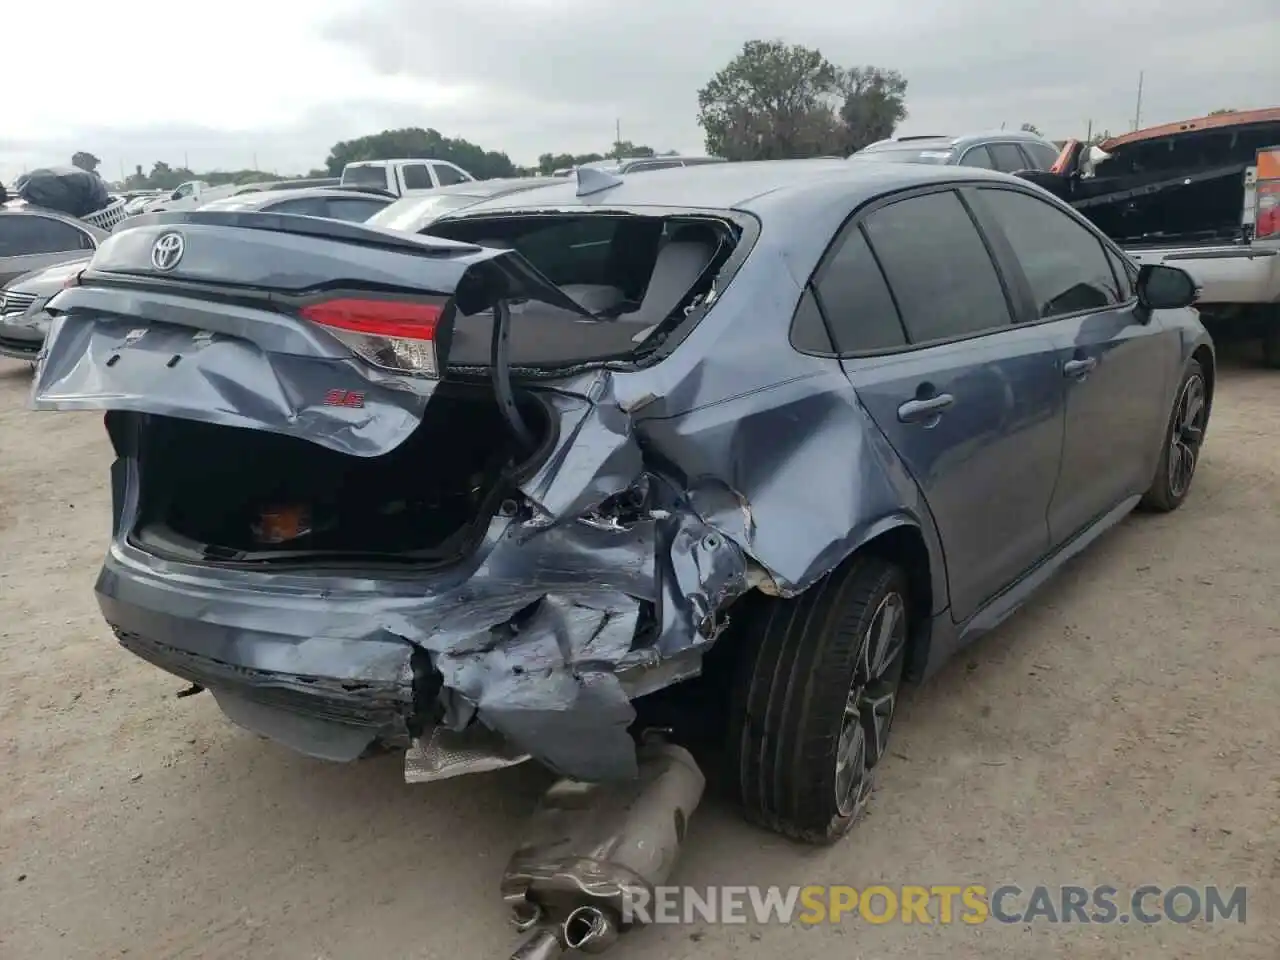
(814, 698)
(1183, 439)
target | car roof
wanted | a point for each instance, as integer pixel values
(941, 142)
(799, 203)
(496, 187)
(722, 186)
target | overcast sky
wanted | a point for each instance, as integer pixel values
(220, 85)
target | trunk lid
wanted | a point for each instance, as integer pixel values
(332, 332)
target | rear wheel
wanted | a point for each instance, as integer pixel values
(1183, 438)
(814, 698)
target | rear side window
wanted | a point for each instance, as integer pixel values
(938, 268)
(353, 209)
(416, 176)
(27, 235)
(365, 177)
(1065, 265)
(854, 297)
(302, 207)
(1007, 157)
(1041, 154)
(977, 157)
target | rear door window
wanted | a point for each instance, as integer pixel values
(941, 275)
(1043, 156)
(977, 157)
(447, 175)
(302, 206)
(855, 299)
(1007, 157)
(416, 176)
(1065, 265)
(352, 209)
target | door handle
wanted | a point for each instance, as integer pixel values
(1079, 368)
(913, 411)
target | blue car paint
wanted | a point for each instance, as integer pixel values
(770, 466)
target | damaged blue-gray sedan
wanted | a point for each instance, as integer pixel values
(475, 493)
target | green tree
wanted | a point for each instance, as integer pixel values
(874, 105)
(776, 101)
(417, 143)
(625, 150)
(85, 160)
(1219, 112)
(549, 163)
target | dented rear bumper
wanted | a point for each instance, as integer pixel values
(544, 635)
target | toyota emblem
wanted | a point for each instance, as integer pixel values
(168, 251)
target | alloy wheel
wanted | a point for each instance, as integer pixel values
(868, 713)
(1186, 436)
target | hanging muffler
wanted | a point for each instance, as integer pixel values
(594, 849)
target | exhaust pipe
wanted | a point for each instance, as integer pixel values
(590, 930)
(545, 945)
(593, 847)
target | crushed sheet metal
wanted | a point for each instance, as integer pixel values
(442, 754)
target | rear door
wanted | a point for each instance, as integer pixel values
(417, 176)
(1113, 357)
(31, 241)
(967, 399)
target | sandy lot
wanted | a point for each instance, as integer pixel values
(1123, 729)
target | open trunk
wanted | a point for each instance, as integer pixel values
(219, 494)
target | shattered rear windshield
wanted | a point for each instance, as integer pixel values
(635, 275)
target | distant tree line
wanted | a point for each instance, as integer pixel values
(772, 101)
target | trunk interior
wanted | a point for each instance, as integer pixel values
(230, 495)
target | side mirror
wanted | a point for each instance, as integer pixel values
(1165, 288)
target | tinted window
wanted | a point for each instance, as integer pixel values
(977, 157)
(365, 177)
(1042, 155)
(1007, 157)
(416, 176)
(301, 206)
(938, 267)
(1126, 274)
(855, 299)
(353, 209)
(1065, 264)
(448, 175)
(808, 329)
(25, 235)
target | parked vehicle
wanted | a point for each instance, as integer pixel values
(415, 213)
(298, 184)
(32, 238)
(189, 196)
(24, 323)
(824, 424)
(643, 164)
(1006, 150)
(328, 202)
(402, 177)
(1187, 194)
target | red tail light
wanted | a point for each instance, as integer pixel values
(1267, 218)
(391, 334)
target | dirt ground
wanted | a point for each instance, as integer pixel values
(1123, 729)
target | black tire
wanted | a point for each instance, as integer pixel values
(802, 663)
(1183, 438)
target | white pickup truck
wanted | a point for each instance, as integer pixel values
(1198, 194)
(189, 195)
(402, 177)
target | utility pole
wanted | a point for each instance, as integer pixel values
(186, 163)
(1137, 113)
(1089, 135)
(255, 159)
